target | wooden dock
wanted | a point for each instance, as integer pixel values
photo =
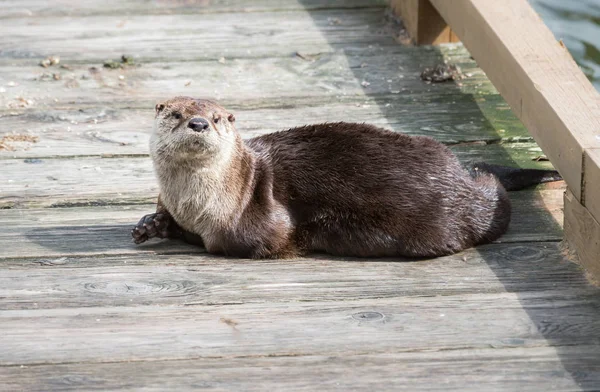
(83, 308)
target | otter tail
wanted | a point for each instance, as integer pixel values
(514, 179)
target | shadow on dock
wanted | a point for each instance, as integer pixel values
(521, 256)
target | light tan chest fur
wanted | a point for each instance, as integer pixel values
(197, 201)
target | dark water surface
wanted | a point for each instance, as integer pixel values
(577, 23)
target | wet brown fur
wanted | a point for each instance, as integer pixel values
(342, 188)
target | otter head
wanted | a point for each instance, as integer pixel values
(191, 129)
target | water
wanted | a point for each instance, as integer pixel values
(577, 23)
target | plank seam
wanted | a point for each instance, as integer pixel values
(184, 253)
(206, 11)
(289, 355)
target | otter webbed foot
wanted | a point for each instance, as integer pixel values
(158, 225)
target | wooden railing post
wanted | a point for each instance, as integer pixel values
(423, 22)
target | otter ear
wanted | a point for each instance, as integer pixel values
(159, 107)
(231, 118)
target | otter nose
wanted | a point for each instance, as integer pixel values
(198, 124)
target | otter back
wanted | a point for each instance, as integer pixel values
(357, 190)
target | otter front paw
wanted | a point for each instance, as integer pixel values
(157, 225)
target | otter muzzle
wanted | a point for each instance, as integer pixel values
(198, 124)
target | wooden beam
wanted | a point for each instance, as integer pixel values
(541, 82)
(423, 22)
(535, 74)
(591, 181)
(582, 233)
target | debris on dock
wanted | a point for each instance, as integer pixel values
(50, 61)
(125, 61)
(442, 73)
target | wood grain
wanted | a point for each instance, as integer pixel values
(408, 10)
(337, 76)
(61, 232)
(582, 233)
(95, 180)
(548, 92)
(109, 130)
(82, 308)
(180, 37)
(39, 8)
(374, 326)
(202, 279)
(423, 22)
(535, 74)
(592, 182)
(531, 369)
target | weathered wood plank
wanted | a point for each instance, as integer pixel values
(371, 326)
(201, 279)
(531, 369)
(106, 230)
(33, 9)
(59, 182)
(97, 117)
(332, 77)
(123, 131)
(74, 289)
(182, 37)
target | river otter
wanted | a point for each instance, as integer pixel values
(342, 188)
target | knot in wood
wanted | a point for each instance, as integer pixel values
(530, 254)
(368, 316)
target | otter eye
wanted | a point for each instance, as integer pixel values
(177, 115)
